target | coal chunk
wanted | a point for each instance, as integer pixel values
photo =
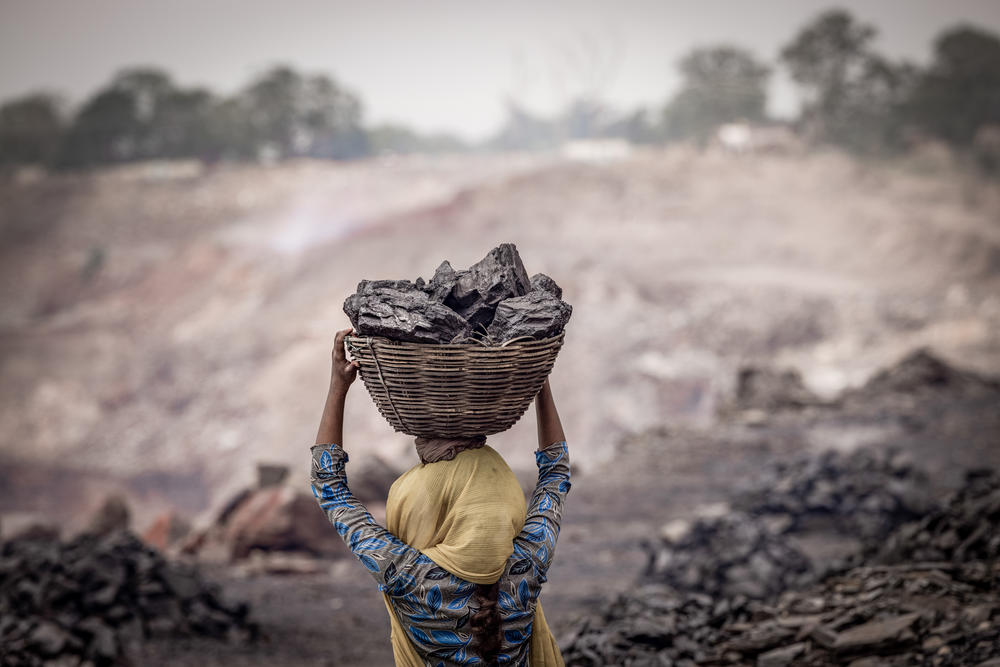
(541, 282)
(498, 276)
(442, 282)
(459, 305)
(402, 311)
(537, 314)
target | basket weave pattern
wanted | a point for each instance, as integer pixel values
(455, 391)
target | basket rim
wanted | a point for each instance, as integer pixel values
(514, 343)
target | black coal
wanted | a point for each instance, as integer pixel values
(492, 301)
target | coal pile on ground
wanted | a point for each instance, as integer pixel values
(653, 625)
(929, 596)
(909, 614)
(865, 493)
(733, 554)
(493, 301)
(746, 550)
(922, 371)
(94, 599)
(966, 528)
(769, 390)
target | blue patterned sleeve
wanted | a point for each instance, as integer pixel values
(537, 539)
(390, 561)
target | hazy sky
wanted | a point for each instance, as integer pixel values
(433, 65)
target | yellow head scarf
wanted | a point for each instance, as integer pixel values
(463, 514)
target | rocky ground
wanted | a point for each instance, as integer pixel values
(735, 321)
(828, 558)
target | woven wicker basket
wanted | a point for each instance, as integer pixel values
(457, 391)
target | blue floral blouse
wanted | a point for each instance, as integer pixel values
(432, 604)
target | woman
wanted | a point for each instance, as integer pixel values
(463, 560)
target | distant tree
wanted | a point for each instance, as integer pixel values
(118, 123)
(104, 130)
(960, 92)
(30, 130)
(827, 54)
(721, 84)
(230, 134)
(853, 97)
(873, 114)
(182, 125)
(294, 115)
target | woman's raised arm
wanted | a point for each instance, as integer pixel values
(344, 372)
(550, 429)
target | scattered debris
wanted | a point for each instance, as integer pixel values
(493, 300)
(966, 528)
(653, 625)
(733, 554)
(915, 613)
(95, 598)
(930, 596)
(865, 493)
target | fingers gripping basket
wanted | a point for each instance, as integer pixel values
(457, 391)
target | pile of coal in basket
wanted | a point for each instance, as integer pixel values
(492, 302)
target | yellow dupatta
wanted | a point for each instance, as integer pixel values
(463, 514)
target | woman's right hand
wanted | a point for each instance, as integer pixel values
(344, 372)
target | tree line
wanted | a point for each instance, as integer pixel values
(853, 97)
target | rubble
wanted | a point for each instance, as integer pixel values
(653, 625)
(928, 594)
(865, 493)
(494, 301)
(94, 598)
(766, 389)
(914, 613)
(966, 528)
(733, 554)
(922, 371)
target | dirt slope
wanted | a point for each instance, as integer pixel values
(168, 327)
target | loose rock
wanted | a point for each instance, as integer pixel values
(87, 600)
(498, 276)
(492, 301)
(537, 314)
(402, 312)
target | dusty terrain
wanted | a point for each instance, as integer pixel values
(163, 329)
